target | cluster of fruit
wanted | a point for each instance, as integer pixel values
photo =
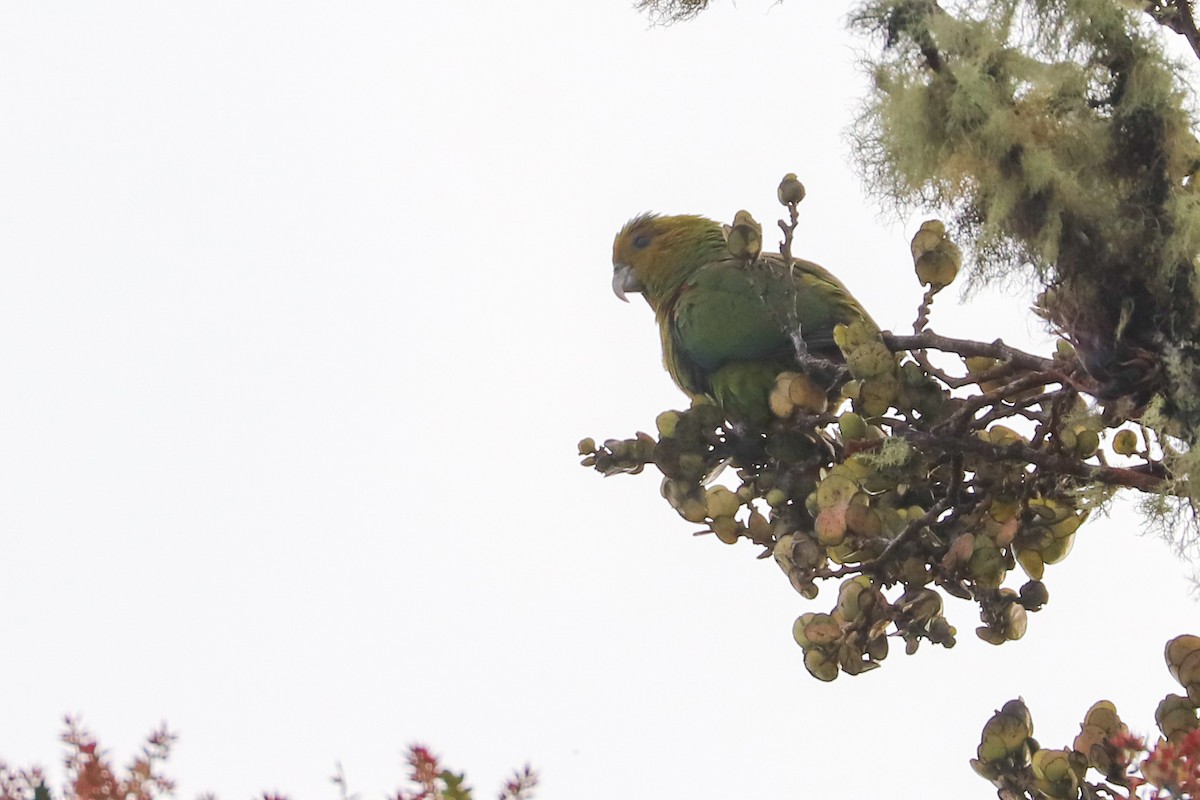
(925, 483)
(1013, 761)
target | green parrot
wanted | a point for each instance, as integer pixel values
(730, 321)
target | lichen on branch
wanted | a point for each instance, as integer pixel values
(1057, 135)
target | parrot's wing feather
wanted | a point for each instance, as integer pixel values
(732, 326)
(723, 314)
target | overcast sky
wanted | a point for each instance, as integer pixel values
(303, 308)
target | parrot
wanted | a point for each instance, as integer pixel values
(730, 321)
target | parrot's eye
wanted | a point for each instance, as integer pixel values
(641, 241)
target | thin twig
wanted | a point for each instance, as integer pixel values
(789, 230)
(1148, 477)
(922, 359)
(1178, 16)
(965, 347)
(1000, 411)
(974, 403)
(840, 572)
(923, 311)
(910, 530)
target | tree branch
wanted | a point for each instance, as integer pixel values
(1148, 477)
(965, 347)
(1178, 16)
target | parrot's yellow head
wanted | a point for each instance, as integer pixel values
(655, 254)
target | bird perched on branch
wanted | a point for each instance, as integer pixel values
(731, 319)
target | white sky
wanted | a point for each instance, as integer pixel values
(303, 309)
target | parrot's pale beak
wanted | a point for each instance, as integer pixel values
(625, 281)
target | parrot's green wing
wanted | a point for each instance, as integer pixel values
(733, 328)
